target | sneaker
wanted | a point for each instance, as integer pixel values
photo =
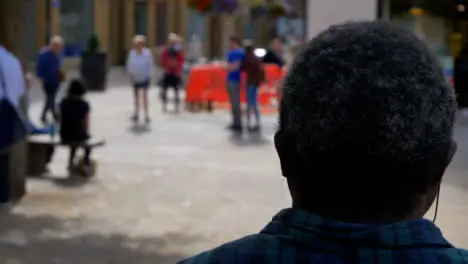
(134, 118)
(147, 120)
(254, 129)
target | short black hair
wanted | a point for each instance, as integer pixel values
(369, 111)
(236, 40)
(76, 88)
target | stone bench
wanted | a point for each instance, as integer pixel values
(39, 150)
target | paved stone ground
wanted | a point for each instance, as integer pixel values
(168, 191)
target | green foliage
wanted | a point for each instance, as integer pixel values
(93, 44)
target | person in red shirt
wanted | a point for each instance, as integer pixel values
(172, 61)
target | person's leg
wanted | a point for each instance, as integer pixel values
(236, 105)
(50, 154)
(136, 102)
(71, 159)
(145, 101)
(176, 93)
(53, 100)
(46, 89)
(249, 95)
(87, 155)
(254, 98)
(230, 91)
(165, 86)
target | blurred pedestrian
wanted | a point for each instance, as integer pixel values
(364, 144)
(234, 60)
(253, 68)
(461, 78)
(140, 67)
(49, 71)
(274, 56)
(172, 61)
(274, 53)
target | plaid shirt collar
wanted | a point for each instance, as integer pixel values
(309, 229)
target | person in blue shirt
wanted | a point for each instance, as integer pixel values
(234, 60)
(48, 69)
(365, 136)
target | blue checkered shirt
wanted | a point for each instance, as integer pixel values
(295, 236)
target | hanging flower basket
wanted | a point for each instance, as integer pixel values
(202, 6)
(276, 10)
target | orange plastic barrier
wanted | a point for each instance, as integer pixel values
(198, 81)
(208, 83)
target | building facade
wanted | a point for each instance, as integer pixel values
(115, 22)
(323, 13)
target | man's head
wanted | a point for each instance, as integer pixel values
(234, 42)
(275, 44)
(56, 44)
(172, 39)
(366, 122)
(139, 42)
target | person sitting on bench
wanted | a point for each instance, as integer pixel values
(74, 123)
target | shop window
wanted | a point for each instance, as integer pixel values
(162, 10)
(76, 25)
(140, 18)
(194, 24)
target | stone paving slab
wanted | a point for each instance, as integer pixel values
(168, 191)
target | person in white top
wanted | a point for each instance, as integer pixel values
(13, 77)
(140, 67)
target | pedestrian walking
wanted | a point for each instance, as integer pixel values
(234, 59)
(140, 67)
(49, 70)
(253, 69)
(172, 61)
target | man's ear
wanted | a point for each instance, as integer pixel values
(289, 158)
(450, 153)
(452, 149)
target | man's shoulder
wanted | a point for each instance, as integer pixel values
(45, 52)
(238, 251)
(457, 255)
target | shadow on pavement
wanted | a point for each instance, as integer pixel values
(71, 182)
(66, 182)
(138, 129)
(247, 139)
(45, 240)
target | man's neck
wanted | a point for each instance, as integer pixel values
(351, 216)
